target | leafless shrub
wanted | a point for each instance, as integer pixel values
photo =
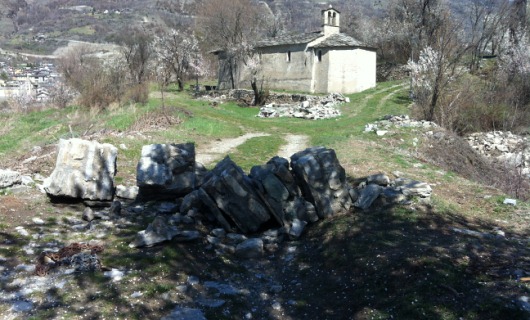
(454, 154)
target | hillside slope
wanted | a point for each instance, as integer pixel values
(464, 255)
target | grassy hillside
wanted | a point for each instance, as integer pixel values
(440, 261)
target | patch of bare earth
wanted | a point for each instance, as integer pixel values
(217, 149)
(294, 144)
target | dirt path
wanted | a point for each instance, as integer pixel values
(218, 149)
(294, 144)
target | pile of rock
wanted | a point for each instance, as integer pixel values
(379, 188)
(279, 195)
(10, 179)
(313, 108)
(504, 147)
(401, 121)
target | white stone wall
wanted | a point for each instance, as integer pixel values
(351, 71)
(340, 70)
(279, 73)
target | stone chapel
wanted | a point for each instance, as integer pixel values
(318, 62)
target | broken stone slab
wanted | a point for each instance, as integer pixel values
(296, 228)
(158, 231)
(250, 248)
(413, 188)
(9, 178)
(83, 170)
(511, 202)
(182, 313)
(367, 196)
(280, 190)
(167, 171)
(126, 192)
(379, 179)
(227, 191)
(322, 180)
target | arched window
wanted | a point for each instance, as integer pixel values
(319, 55)
(334, 19)
(288, 57)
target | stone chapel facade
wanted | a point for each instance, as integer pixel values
(319, 62)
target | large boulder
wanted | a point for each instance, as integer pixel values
(167, 171)
(84, 170)
(322, 180)
(230, 195)
(277, 184)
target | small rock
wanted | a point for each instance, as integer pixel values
(511, 202)
(180, 313)
(211, 303)
(250, 248)
(37, 221)
(127, 192)
(88, 214)
(219, 232)
(115, 208)
(136, 294)
(114, 274)
(297, 227)
(193, 280)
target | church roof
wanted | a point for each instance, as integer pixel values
(339, 40)
(289, 39)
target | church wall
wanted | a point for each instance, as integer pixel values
(321, 70)
(279, 72)
(351, 70)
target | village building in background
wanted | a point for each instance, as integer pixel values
(319, 62)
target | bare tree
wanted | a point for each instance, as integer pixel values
(178, 53)
(12, 9)
(137, 52)
(227, 26)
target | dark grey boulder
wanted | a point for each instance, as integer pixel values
(322, 180)
(230, 195)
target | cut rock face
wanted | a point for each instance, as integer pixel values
(84, 170)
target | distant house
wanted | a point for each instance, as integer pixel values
(319, 62)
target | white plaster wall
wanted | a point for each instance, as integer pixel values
(321, 71)
(351, 71)
(278, 73)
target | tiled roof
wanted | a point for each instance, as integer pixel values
(339, 40)
(289, 39)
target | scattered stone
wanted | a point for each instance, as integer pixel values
(127, 192)
(222, 288)
(503, 147)
(192, 280)
(180, 313)
(313, 108)
(297, 227)
(367, 196)
(115, 274)
(115, 208)
(158, 231)
(38, 221)
(89, 215)
(211, 303)
(9, 178)
(136, 294)
(83, 170)
(250, 248)
(22, 231)
(218, 232)
(379, 179)
(511, 202)
(413, 188)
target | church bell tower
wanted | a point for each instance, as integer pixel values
(330, 21)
